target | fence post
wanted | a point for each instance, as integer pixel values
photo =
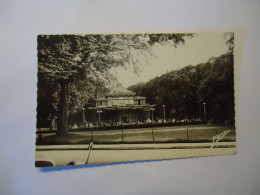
(187, 133)
(216, 134)
(153, 134)
(122, 136)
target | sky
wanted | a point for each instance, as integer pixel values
(167, 58)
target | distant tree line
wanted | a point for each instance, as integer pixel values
(184, 91)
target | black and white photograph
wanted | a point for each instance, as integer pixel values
(104, 98)
(130, 97)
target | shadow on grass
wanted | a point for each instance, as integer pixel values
(59, 139)
(197, 136)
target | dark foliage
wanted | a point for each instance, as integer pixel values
(75, 64)
(184, 91)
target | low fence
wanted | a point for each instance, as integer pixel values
(135, 126)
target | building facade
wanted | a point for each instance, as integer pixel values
(122, 106)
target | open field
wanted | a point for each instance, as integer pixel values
(175, 134)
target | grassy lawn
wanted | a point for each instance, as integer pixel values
(195, 133)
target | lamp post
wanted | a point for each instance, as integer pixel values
(99, 112)
(83, 115)
(152, 109)
(163, 113)
(205, 113)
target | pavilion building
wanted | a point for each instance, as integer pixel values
(122, 106)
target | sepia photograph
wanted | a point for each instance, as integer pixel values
(106, 98)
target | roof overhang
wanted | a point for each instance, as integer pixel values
(130, 107)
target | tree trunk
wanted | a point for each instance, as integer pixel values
(62, 120)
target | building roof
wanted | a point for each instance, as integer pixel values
(145, 107)
(120, 91)
(101, 99)
(140, 97)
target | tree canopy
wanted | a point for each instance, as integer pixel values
(75, 66)
(184, 91)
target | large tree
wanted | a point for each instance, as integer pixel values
(73, 63)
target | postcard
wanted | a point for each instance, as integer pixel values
(131, 97)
